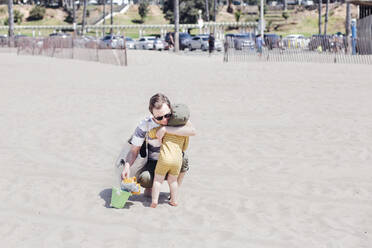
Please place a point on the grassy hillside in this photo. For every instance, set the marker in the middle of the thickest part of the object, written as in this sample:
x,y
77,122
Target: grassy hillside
x,y
300,20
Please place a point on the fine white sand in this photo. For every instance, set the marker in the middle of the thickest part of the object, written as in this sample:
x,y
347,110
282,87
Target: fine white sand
x,y
282,156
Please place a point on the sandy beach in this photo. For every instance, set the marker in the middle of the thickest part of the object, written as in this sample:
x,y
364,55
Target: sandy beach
x,y
282,156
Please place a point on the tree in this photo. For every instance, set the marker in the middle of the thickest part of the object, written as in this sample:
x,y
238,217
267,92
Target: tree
x,y
17,18
285,5
320,16
143,9
36,13
188,10
326,17
11,19
229,7
84,17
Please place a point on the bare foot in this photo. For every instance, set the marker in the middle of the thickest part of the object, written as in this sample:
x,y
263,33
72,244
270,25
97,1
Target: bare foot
x,y
174,204
153,205
147,192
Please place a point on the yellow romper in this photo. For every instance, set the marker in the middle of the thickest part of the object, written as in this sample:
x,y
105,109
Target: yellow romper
x,y
170,157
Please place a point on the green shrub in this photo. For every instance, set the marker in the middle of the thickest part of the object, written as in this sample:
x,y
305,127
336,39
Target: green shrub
x,y
69,18
238,14
37,13
2,10
285,15
18,16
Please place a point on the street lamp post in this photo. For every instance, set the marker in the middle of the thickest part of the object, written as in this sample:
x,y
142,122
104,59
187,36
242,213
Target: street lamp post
x,y
262,18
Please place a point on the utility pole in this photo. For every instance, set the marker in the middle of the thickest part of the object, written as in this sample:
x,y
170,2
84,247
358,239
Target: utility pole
x,y
207,10
214,10
348,20
112,17
320,16
104,17
176,11
74,16
262,18
11,21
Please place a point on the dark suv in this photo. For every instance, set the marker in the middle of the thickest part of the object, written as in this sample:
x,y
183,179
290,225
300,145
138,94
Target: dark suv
x,y
271,41
185,39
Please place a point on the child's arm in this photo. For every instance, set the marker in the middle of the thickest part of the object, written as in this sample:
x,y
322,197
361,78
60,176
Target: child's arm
x,y
152,133
185,144
186,130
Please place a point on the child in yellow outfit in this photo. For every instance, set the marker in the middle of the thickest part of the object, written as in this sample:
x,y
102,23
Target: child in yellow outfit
x,y
170,157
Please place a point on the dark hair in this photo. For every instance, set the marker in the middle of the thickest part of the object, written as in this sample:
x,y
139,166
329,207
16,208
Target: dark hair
x,y
157,100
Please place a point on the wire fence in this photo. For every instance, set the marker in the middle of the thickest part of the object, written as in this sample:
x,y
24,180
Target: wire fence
x,y
317,49
80,48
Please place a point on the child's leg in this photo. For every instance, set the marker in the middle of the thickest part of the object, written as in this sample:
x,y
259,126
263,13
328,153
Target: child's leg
x,y
173,187
158,180
180,178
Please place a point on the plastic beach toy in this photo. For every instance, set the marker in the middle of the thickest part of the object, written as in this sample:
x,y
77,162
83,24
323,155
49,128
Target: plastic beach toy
x,y
119,197
130,185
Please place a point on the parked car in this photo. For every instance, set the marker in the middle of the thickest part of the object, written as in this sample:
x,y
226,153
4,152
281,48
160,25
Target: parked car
x,y
59,35
112,41
295,41
19,38
129,42
146,42
158,44
199,42
272,41
307,3
184,39
3,40
320,40
244,40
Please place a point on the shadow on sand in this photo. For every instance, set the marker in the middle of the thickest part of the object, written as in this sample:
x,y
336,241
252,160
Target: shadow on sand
x,y
145,200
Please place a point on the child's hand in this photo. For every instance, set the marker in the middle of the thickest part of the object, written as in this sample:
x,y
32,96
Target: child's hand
x,y
160,133
126,171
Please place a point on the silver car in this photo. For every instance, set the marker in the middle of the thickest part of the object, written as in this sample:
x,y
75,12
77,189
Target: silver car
x,y
199,42
159,44
112,41
129,42
145,43
242,41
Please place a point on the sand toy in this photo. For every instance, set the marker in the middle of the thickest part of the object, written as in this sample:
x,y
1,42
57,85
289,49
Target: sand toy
x,y
119,197
130,185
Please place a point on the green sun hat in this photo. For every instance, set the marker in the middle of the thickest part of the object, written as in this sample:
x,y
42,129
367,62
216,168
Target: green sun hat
x,y
180,115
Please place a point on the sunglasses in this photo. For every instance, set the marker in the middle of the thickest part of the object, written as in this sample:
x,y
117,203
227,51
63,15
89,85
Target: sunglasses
x,y
167,116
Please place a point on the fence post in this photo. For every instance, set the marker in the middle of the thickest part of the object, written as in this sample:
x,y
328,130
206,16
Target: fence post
x,y
125,52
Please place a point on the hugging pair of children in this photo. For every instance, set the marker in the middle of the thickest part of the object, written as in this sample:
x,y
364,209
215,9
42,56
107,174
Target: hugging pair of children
x,y
170,157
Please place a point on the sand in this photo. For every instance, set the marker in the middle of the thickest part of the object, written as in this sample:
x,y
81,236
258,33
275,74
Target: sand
x,y
282,156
